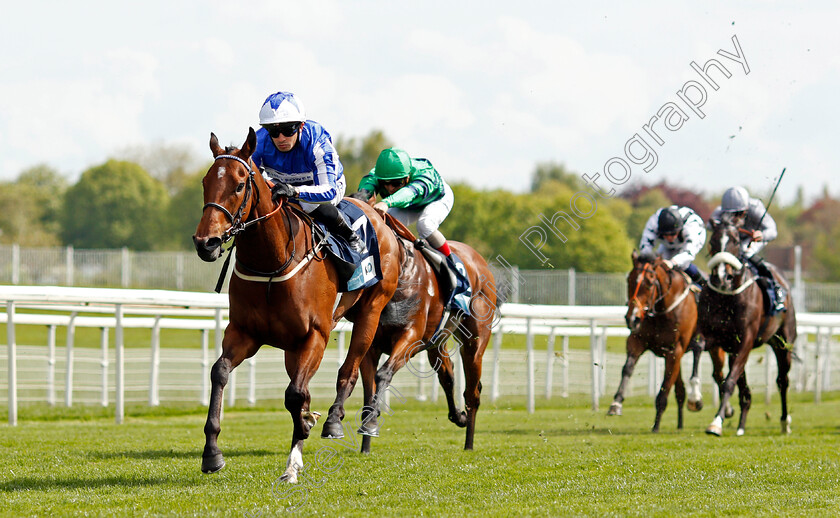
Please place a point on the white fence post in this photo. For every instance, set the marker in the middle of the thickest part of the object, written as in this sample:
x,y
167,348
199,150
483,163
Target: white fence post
x,y
103,343
529,340
154,367
51,364
205,368
565,366
119,344
497,350
549,364
11,352
68,369
252,381
768,390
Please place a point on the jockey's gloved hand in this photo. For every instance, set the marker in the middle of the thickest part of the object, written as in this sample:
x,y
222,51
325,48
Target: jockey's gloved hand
x,y
362,194
283,189
668,264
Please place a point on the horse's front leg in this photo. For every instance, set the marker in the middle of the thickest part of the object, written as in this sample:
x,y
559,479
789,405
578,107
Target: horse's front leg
x,y
301,365
369,427
236,347
745,401
364,329
737,362
783,361
695,393
635,348
672,373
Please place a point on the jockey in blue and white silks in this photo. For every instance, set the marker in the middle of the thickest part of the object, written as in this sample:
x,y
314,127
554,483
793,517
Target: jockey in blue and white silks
x,y
298,156
681,234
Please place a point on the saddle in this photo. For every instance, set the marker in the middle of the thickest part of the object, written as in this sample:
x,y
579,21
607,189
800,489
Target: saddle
x,y
458,292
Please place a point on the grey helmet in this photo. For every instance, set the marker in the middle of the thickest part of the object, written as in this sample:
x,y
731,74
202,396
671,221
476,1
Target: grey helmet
x,y
669,221
735,199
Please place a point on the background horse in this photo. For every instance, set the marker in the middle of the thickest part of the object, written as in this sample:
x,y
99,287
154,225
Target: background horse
x,y
662,318
733,317
282,292
408,324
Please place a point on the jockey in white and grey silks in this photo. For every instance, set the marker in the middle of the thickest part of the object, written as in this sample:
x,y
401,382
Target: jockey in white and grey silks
x,y
750,214
681,234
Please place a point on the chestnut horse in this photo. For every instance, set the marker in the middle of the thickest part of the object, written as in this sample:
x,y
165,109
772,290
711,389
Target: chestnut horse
x,y
733,317
662,318
288,297
408,325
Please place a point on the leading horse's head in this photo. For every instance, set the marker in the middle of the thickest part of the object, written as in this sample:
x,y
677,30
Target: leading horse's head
x,y
643,289
230,194
726,269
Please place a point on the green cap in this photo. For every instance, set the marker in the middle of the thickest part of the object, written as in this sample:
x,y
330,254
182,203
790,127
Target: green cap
x,y
392,163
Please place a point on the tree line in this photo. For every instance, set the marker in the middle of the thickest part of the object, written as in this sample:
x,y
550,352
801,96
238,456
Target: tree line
x,y
150,198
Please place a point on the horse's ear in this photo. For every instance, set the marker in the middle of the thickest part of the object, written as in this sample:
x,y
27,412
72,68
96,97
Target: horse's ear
x,y
634,255
214,145
250,145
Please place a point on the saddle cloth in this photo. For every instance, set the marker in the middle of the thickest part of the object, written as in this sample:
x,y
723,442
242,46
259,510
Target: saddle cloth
x,y
354,271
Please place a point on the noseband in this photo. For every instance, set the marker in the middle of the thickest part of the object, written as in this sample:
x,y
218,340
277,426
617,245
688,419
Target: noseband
x,y
236,223
648,310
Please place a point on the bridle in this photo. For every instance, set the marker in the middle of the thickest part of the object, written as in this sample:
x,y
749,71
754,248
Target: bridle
x,y
650,310
724,257
236,223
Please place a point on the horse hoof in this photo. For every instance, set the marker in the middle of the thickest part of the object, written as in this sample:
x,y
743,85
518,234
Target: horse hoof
x,y
370,432
615,409
332,430
729,412
289,478
714,430
740,432
460,419
212,464
695,406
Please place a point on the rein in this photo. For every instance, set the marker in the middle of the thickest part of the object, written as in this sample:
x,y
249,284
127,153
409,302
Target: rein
x,y
650,311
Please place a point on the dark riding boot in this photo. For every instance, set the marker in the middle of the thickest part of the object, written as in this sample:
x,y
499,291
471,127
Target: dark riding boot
x,y
328,214
696,275
777,289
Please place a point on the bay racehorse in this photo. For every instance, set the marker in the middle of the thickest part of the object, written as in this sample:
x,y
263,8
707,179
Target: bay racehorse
x,y
662,318
283,293
732,316
408,326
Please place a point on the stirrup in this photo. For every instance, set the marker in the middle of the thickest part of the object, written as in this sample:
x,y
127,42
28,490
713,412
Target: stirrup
x,y
357,244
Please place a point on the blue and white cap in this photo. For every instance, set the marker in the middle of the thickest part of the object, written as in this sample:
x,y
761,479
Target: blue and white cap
x,y
282,107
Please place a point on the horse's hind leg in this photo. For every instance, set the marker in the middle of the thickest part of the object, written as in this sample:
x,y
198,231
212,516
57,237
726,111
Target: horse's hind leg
x,y
446,378
695,394
635,348
679,393
783,360
236,347
474,336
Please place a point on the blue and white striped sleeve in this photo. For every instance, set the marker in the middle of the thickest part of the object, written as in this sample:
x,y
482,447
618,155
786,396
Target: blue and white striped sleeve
x,y
323,188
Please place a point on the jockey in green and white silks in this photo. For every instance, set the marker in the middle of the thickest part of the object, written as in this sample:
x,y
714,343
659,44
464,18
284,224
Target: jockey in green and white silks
x,y
413,192
681,234
750,215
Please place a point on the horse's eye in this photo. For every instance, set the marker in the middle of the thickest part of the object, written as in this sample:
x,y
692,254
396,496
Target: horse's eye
x,y
240,187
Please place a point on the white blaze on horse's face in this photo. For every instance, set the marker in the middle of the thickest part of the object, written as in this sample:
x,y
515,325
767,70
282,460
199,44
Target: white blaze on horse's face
x,y
221,172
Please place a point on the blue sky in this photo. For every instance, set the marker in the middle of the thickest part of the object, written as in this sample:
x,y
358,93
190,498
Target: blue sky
x,y
484,90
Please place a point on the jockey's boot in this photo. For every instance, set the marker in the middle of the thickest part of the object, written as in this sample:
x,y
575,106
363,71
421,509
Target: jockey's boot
x,y
778,291
335,222
696,275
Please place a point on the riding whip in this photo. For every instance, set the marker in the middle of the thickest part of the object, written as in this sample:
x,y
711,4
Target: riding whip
x,y
767,207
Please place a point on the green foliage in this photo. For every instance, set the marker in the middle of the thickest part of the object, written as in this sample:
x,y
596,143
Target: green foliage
x,y
358,156
184,213
644,207
32,207
550,172
113,205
